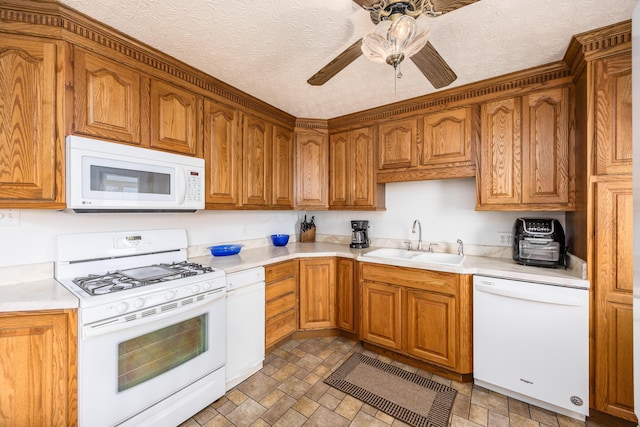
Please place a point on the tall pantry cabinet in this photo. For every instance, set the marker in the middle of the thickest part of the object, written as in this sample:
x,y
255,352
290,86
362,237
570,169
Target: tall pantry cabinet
x,y
601,229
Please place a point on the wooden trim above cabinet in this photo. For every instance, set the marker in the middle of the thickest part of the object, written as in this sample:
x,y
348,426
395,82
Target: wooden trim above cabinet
x,y
60,21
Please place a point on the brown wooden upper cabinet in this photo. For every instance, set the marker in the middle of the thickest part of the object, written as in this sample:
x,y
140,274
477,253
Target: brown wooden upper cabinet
x,y
524,156
436,145
397,142
612,115
113,101
256,161
311,169
31,123
222,156
175,119
267,164
448,141
282,168
107,99
351,171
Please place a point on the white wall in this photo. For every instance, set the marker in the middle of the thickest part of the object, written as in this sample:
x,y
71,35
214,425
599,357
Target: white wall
x,y
445,208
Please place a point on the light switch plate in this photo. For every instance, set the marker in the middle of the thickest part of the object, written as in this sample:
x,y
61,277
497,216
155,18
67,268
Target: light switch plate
x,y
9,217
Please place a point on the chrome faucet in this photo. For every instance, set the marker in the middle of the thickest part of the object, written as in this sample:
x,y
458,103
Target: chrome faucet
x,y
460,247
413,230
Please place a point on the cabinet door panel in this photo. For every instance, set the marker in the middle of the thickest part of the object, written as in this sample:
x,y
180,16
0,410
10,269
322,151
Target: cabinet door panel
x,y
34,367
500,152
361,178
381,311
222,155
106,99
431,327
317,293
613,115
545,147
311,152
339,176
174,119
614,298
282,168
30,140
256,135
447,137
346,297
397,144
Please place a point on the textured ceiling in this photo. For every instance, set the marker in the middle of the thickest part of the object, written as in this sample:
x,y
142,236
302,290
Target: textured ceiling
x,y
270,48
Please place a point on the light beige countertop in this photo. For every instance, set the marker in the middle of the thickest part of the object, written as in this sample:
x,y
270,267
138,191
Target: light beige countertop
x,y
37,293
480,265
44,294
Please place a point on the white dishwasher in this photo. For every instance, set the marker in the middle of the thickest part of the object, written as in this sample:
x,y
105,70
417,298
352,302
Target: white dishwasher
x,y
531,342
245,325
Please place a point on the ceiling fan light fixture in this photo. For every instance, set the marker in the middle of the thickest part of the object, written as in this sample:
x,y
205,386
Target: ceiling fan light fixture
x,y
394,40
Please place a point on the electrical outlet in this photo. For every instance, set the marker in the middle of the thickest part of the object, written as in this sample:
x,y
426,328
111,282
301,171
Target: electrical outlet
x,y
505,238
9,217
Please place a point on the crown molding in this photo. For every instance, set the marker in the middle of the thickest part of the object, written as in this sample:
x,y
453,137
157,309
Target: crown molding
x,y
596,44
53,19
506,85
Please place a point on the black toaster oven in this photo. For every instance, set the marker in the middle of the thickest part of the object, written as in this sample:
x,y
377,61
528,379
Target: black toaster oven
x,y
539,242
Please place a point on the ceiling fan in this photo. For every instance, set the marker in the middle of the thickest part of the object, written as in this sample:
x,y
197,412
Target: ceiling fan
x,y
427,59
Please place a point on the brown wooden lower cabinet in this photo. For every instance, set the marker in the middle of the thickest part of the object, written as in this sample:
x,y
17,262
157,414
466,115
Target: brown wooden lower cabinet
x,y
346,296
38,368
421,313
281,285
317,293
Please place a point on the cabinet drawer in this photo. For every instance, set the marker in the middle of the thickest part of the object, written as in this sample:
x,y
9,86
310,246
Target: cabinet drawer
x,y
280,305
435,281
280,270
279,288
279,327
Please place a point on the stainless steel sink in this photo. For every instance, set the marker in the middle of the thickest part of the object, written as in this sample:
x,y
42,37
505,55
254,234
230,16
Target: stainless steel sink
x,y
416,256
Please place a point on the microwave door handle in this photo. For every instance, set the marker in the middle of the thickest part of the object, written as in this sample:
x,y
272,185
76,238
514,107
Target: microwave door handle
x,y
182,185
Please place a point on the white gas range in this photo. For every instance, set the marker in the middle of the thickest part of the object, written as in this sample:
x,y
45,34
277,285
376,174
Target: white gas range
x,y
151,341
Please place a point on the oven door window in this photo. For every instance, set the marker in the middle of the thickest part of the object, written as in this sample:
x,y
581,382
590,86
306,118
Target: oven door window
x,y
147,356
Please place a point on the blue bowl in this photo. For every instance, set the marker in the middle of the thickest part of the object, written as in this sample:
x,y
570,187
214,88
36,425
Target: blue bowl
x,y
224,250
279,239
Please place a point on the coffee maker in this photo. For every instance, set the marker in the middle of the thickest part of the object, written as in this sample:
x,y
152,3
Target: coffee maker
x,y
359,234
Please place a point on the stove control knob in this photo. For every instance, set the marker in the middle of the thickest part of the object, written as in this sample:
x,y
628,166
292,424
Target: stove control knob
x,y
170,295
122,307
195,289
207,285
139,303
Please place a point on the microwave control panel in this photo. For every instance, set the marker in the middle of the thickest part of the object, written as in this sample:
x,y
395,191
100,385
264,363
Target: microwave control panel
x,y
194,186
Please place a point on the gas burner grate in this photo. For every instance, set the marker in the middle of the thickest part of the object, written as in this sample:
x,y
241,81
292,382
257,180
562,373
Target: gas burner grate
x,y
101,284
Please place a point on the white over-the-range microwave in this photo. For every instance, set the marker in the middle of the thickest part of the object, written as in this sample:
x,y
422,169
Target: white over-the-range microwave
x,y
110,177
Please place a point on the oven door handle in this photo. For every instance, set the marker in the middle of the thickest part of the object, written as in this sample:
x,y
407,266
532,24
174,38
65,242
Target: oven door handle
x,y
121,323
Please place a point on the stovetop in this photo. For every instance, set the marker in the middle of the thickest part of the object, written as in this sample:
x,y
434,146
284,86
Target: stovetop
x,y
120,280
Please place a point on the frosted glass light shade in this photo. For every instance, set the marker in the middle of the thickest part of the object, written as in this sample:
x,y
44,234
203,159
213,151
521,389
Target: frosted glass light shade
x,y
393,41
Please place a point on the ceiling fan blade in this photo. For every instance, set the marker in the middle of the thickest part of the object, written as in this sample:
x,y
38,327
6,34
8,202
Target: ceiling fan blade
x,y
366,3
434,67
445,6
334,67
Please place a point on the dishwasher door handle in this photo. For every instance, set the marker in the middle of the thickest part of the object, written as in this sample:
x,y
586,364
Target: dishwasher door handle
x,y
527,295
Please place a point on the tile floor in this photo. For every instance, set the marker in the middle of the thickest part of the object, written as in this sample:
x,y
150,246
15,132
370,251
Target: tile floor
x,y
289,392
